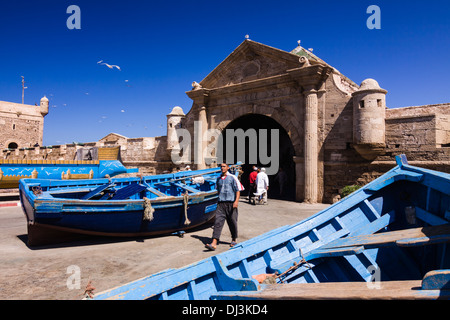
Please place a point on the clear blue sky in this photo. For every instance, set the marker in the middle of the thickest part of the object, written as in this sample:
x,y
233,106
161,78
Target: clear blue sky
x,y
163,46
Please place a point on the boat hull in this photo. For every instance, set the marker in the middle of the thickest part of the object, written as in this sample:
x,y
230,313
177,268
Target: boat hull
x,y
114,219
126,207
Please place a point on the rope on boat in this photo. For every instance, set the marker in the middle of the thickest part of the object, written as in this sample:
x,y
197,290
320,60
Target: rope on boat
x,y
148,210
294,267
89,291
37,190
185,203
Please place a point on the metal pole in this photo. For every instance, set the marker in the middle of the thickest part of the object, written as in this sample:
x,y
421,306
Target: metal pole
x,y
23,89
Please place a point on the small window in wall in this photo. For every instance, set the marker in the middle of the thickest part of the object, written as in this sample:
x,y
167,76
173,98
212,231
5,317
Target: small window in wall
x,y
361,104
12,145
379,103
14,126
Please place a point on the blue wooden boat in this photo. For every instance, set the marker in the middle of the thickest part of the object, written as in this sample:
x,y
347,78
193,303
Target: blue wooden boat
x,y
123,207
11,171
386,240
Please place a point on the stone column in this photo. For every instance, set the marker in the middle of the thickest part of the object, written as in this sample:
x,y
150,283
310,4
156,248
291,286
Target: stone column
x,y
200,143
311,155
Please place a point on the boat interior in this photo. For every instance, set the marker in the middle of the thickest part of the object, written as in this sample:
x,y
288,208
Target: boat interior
x,y
151,187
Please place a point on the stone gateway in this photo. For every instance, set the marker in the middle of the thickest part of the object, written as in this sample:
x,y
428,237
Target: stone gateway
x,y
335,132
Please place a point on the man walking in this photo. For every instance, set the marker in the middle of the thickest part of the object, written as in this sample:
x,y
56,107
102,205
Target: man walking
x,y
252,181
229,189
262,185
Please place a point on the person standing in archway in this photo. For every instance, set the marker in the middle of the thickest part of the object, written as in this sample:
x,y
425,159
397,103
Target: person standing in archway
x,y
252,181
281,178
229,189
262,185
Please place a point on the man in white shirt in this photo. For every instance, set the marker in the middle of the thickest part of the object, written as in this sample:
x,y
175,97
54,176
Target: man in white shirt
x,y
262,185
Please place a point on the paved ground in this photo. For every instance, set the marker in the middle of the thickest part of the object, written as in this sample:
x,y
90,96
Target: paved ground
x,y
41,273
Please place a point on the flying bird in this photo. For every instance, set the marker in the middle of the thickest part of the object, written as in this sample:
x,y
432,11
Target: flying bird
x,y
111,66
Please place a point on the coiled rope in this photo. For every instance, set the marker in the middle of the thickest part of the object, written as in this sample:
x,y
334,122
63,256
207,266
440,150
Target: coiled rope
x,y
148,210
185,203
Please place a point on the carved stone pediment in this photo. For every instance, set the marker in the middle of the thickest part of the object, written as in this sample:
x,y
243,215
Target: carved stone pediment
x,y
248,62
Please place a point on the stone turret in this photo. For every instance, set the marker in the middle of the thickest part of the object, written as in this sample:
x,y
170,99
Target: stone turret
x,y
369,113
44,106
174,122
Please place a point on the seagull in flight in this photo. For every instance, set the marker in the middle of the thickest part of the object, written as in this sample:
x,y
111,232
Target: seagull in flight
x,y
108,65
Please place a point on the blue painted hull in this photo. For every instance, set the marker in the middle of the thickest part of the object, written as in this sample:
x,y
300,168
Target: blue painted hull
x,y
118,207
14,170
394,229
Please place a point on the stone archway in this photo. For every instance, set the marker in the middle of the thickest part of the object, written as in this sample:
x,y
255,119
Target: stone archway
x,y
13,145
252,125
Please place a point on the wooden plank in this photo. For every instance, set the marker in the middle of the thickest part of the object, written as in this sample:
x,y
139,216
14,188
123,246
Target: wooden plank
x,y
156,192
426,234
128,191
292,257
334,252
387,290
310,276
360,264
185,187
368,209
436,280
153,190
96,191
411,242
227,282
244,268
375,225
429,217
192,291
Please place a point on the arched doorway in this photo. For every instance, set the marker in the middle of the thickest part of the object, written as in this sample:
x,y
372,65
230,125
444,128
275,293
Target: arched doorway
x,y
12,145
253,125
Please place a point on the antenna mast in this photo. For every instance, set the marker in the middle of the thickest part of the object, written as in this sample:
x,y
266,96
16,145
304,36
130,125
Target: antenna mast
x,y
23,89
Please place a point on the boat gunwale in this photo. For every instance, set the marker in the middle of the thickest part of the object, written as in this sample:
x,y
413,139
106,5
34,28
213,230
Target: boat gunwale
x,y
60,186
158,200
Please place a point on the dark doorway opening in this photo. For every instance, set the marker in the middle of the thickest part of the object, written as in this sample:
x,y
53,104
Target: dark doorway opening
x,y
12,145
285,155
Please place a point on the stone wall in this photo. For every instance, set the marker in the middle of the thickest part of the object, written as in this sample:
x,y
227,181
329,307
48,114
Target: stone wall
x,y
21,125
421,133
147,154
